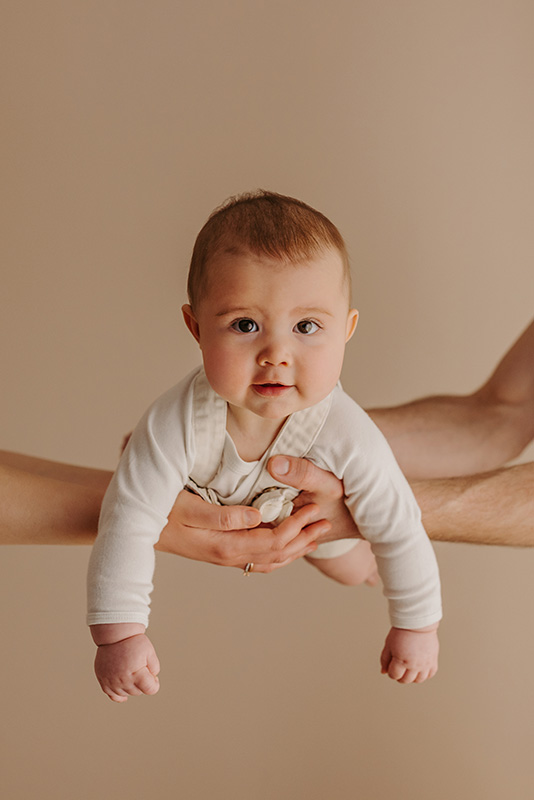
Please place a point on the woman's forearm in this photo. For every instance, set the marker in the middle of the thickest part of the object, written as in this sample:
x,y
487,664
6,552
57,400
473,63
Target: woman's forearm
x,y
45,502
56,470
38,509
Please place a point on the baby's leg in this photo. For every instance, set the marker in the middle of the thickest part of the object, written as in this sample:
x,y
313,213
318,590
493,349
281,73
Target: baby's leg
x,y
365,570
353,568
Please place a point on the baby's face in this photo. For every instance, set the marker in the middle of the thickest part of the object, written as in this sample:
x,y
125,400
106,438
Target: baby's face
x,y
273,334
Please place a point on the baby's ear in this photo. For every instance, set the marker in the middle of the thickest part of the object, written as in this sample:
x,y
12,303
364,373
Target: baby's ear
x,y
352,321
191,321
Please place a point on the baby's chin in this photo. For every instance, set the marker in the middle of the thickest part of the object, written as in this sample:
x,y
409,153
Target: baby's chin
x,y
278,409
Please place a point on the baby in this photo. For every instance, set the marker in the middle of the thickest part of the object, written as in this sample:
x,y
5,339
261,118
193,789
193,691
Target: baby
x,y
269,305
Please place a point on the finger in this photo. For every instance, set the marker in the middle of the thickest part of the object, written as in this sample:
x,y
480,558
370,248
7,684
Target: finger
x,y
429,673
266,569
198,513
396,669
276,561
385,659
132,690
118,696
153,663
283,562
291,527
303,544
267,545
422,676
145,682
308,536
304,475
409,676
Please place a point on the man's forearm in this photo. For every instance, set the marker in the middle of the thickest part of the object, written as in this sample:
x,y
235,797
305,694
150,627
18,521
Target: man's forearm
x,y
490,508
463,435
451,436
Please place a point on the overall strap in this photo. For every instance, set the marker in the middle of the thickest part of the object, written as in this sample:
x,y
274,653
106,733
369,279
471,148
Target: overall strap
x,y
301,430
296,437
209,430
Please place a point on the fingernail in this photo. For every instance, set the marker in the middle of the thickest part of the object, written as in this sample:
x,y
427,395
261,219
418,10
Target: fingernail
x,y
280,465
251,518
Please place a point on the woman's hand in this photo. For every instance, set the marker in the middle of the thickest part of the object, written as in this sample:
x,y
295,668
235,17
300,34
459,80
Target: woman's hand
x,y
232,536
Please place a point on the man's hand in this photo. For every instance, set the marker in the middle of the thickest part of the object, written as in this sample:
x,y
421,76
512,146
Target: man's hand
x,y
320,488
232,536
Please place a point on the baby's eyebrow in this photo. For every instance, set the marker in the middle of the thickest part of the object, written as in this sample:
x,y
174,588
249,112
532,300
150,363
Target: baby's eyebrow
x,y
236,310
301,311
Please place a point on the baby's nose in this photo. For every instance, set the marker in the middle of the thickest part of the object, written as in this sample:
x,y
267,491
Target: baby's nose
x,y
273,359
274,354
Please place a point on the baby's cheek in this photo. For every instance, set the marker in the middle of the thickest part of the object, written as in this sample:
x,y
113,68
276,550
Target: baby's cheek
x,y
324,373
223,373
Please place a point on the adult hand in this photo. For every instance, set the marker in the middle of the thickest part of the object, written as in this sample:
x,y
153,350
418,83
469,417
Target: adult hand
x,y
232,536
320,488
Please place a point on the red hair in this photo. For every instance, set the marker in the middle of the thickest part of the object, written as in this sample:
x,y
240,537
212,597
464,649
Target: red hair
x,y
265,224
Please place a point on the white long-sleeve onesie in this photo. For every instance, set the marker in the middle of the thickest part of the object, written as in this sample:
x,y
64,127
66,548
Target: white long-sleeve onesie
x,y
162,455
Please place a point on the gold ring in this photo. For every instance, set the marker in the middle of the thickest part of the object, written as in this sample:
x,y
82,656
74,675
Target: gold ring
x,y
248,569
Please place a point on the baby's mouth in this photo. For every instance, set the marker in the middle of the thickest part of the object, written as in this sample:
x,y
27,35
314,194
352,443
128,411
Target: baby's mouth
x,y
271,389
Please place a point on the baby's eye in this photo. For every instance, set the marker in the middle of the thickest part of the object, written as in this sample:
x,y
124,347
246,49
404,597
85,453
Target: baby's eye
x,y
306,326
245,326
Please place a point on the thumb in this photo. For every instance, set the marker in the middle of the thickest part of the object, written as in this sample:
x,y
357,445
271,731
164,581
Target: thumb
x,y
302,474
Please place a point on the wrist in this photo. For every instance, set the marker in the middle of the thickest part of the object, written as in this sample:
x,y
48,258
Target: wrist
x,y
427,629
115,632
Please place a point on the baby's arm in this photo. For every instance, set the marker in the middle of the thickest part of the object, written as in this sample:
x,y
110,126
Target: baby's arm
x,y
383,507
140,496
126,662
409,656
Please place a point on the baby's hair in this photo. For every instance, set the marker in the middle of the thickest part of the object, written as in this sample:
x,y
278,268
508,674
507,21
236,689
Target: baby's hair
x,y
265,224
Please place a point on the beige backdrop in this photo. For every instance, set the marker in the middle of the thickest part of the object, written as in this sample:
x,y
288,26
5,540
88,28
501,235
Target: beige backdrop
x,y
411,125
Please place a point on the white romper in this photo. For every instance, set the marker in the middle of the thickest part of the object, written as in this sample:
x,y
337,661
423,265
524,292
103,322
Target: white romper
x,y
182,442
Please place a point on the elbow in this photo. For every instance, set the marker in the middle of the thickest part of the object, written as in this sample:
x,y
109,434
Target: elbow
x,y
510,423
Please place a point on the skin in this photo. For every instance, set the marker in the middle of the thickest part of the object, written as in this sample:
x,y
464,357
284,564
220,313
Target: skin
x,y
449,436
453,449
467,438
45,502
273,338
290,359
